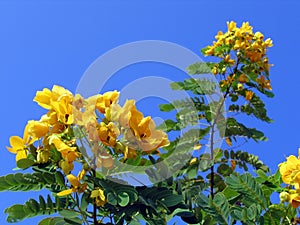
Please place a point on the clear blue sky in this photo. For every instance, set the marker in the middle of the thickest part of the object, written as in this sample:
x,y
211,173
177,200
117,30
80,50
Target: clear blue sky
x,y
53,42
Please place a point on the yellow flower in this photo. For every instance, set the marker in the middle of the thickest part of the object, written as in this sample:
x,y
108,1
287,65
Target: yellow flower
x,y
108,133
64,109
249,95
68,153
243,78
19,146
290,170
246,28
46,97
264,83
228,60
231,26
106,100
37,129
99,196
76,185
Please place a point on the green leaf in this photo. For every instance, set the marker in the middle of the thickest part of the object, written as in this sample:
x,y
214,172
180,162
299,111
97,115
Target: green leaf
x,y
25,163
247,186
32,208
166,107
218,208
199,68
230,194
69,213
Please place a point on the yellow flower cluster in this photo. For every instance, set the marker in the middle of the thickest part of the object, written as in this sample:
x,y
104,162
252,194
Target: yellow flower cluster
x,y
103,122
242,39
241,45
290,174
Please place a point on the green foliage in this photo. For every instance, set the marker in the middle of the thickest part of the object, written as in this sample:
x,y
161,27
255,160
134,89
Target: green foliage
x,y
28,182
234,128
218,208
33,208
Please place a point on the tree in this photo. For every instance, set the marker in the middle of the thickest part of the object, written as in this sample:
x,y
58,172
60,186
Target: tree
x,y
194,176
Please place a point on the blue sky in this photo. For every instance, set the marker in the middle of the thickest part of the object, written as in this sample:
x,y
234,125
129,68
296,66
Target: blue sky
x,y
53,42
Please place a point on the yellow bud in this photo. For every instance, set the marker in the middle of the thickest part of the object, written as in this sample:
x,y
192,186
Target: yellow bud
x,y
240,87
193,161
42,156
284,197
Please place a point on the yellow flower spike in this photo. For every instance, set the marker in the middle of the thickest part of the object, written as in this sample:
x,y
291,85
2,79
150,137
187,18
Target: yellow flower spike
x,y
246,28
74,181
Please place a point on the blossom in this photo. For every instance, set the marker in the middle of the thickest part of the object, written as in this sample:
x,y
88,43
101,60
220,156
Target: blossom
x,y
264,83
108,133
290,170
106,100
37,129
19,146
46,97
76,185
249,95
99,196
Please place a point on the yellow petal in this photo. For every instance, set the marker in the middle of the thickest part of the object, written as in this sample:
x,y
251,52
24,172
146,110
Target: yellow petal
x,y
16,142
12,150
73,180
21,154
43,98
65,192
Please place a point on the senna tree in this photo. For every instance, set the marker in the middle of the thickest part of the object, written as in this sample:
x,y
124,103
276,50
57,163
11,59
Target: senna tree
x,y
78,148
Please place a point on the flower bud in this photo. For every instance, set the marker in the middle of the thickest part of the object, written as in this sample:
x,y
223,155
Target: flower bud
x,y
284,196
